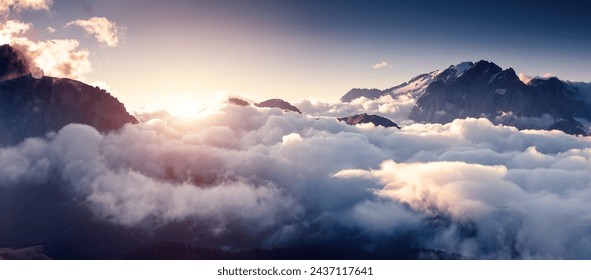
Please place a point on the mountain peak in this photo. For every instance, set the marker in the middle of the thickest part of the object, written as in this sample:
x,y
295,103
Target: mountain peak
x,y
278,103
32,107
355,93
13,64
486,90
487,66
365,118
462,67
238,101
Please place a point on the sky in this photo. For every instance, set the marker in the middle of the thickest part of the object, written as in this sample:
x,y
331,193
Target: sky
x,y
243,177
178,54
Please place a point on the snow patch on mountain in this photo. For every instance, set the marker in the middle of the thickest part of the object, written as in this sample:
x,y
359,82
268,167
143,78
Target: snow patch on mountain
x,y
462,67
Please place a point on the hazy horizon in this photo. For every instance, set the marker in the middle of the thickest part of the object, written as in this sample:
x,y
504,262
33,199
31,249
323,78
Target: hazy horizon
x,y
466,163
178,52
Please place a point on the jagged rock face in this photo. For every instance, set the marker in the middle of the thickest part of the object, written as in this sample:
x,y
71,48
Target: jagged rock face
x,y
12,63
365,118
278,103
31,107
485,90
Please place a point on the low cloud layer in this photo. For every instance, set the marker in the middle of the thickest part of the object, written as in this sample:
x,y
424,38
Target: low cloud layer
x,y
105,31
254,177
396,108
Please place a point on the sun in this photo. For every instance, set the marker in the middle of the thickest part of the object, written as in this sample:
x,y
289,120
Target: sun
x,y
182,109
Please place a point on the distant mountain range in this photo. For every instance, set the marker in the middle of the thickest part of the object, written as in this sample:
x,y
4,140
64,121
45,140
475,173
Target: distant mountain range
x,y
483,89
271,103
286,106
31,107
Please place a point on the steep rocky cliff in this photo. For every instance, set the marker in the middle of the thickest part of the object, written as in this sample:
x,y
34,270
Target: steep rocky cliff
x,y
31,107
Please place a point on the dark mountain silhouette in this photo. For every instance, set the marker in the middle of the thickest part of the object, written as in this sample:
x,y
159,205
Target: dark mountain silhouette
x,y
31,107
355,93
12,63
278,103
271,103
238,101
365,118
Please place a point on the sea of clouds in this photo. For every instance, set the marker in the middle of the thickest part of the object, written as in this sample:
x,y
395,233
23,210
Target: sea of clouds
x,y
247,177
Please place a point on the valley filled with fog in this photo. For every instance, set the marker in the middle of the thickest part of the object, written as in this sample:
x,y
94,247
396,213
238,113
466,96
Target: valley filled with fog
x,y
242,177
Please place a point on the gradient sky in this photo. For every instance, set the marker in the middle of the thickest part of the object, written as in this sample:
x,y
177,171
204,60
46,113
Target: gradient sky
x,y
183,52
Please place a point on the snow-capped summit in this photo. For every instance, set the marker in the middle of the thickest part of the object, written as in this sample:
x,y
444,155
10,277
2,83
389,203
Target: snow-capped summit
x,y
414,88
486,90
462,67
483,89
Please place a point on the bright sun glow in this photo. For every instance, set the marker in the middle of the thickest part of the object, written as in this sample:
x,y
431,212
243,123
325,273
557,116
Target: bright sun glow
x,y
185,110
187,107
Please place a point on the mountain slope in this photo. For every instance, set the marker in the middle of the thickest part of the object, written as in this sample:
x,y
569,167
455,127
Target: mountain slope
x,y
414,88
365,118
31,107
486,90
355,93
278,103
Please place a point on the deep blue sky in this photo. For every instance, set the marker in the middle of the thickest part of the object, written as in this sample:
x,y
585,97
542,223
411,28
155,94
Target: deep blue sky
x,y
320,49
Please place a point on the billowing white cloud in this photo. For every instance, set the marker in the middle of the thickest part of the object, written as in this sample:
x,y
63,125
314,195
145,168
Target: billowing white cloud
x,y
396,108
379,65
524,78
12,28
105,31
21,5
276,179
59,58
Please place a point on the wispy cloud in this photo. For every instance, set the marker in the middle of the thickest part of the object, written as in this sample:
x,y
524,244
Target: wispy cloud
x,y
12,28
526,78
105,31
6,6
381,65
